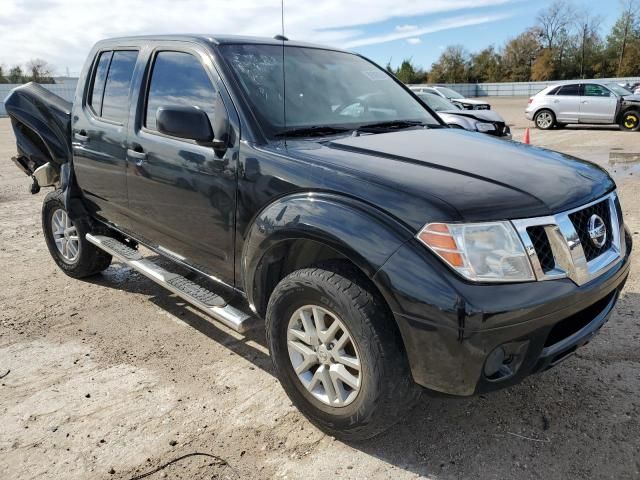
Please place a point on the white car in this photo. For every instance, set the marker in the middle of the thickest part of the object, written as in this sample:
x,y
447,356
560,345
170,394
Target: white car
x,y
454,97
589,102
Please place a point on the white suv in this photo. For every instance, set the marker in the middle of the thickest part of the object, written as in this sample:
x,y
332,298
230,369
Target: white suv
x,y
584,102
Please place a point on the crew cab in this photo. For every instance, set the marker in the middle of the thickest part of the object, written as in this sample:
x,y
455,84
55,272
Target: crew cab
x,y
587,102
307,188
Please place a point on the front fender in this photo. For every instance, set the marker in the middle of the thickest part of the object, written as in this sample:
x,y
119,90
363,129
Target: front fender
x,y
359,231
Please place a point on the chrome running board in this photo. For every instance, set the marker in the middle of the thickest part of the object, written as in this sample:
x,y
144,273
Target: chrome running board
x,y
205,300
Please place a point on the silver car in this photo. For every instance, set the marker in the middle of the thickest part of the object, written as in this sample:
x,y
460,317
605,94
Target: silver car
x,y
588,102
454,97
485,121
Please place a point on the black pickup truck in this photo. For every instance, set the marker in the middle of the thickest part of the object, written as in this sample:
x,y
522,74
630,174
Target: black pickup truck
x,y
307,187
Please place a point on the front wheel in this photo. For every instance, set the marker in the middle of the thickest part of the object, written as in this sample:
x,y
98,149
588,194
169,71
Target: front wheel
x,y
66,240
338,353
630,121
544,119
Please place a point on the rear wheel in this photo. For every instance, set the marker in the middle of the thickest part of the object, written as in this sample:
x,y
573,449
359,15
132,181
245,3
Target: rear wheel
x,y
544,119
630,121
337,353
66,241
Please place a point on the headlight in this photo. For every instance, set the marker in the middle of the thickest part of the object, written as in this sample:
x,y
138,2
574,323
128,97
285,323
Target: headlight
x,y
482,252
485,127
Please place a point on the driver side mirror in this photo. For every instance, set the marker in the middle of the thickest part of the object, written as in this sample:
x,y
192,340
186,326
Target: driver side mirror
x,y
184,122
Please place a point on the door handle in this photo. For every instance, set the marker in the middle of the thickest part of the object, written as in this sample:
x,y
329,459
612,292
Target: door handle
x,y
81,136
139,157
584,101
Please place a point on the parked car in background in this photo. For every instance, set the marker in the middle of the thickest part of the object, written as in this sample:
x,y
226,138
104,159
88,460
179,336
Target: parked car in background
x,y
589,102
485,121
456,98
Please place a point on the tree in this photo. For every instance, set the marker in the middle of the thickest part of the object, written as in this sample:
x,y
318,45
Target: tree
x,y
16,75
452,66
519,54
40,71
553,20
625,32
542,68
486,66
587,27
2,77
407,72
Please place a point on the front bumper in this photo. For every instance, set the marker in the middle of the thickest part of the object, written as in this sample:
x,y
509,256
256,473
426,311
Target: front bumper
x,y
450,332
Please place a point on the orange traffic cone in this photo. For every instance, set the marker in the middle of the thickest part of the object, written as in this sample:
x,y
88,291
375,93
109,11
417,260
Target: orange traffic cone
x,y
527,139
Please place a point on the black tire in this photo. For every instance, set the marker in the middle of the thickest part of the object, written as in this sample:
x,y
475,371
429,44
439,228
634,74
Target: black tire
x,y
630,121
540,119
89,259
387,390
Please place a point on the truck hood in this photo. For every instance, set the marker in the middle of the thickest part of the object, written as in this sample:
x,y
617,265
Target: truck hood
x,y
454,175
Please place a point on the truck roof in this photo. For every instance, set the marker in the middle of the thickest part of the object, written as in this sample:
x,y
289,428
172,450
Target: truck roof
x,y
215,39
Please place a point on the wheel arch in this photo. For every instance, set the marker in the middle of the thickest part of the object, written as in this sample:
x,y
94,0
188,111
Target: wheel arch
x,y
309,229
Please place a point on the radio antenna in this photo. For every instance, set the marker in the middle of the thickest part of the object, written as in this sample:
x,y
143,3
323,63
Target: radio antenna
x,y
282,16
284,79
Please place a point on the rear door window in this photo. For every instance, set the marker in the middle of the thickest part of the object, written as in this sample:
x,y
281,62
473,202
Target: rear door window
x,y
572,90
99,77
178,79
115,103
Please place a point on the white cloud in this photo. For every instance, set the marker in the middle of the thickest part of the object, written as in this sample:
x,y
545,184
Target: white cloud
x,y
404,28
414,40
63,31
446,24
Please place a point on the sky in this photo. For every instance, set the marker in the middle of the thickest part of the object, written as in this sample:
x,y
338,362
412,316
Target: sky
x,y
63,31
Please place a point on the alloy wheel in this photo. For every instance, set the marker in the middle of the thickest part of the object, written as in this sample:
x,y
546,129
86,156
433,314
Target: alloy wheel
x,y
324,355
65,235
544,120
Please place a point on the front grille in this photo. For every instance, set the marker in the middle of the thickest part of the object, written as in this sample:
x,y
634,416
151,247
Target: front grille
x,y
580,220
542,247
482,107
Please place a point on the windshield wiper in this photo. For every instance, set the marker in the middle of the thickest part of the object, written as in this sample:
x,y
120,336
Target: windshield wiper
x,y
315,131
392,125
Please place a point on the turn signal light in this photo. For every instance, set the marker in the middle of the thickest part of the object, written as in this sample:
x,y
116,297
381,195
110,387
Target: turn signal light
x,y
438,237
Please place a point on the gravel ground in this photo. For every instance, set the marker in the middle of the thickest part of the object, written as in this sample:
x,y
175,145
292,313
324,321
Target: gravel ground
x,y
111,377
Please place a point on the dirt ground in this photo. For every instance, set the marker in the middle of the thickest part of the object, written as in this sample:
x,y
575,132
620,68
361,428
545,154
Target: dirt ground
x,y
111,378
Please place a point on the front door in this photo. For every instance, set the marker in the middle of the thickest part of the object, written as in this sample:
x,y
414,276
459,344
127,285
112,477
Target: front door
x,y
597,104
182,194
566,103
100,133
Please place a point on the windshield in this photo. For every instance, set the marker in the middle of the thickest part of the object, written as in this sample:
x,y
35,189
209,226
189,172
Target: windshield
x,y
436,102
449,93
618,90
323,89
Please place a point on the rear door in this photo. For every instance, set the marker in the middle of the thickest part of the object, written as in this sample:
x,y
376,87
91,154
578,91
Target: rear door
x,y
182,194
597,104
99,133
566,103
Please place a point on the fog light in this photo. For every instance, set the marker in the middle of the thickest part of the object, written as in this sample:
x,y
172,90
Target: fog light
x,y
494,362
505,360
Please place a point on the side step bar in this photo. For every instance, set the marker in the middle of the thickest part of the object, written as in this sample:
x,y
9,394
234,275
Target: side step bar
x,y
207,301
